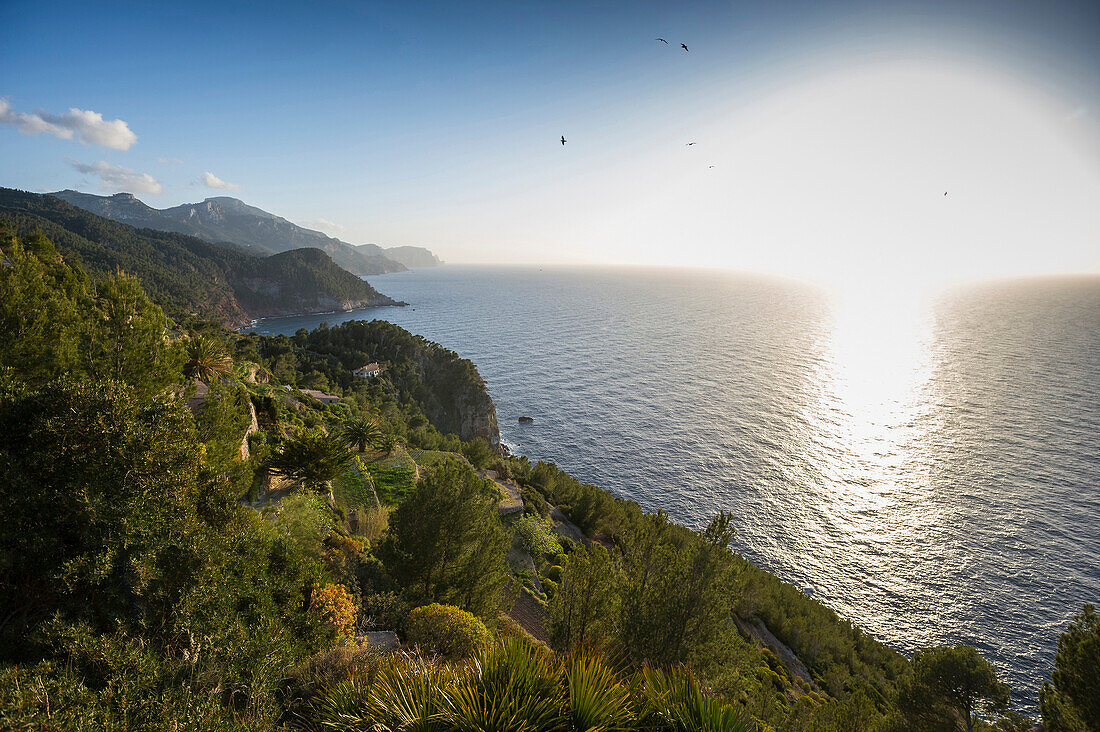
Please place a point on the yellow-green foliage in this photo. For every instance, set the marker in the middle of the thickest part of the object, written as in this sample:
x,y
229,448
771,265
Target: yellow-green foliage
x,y
447,630
335,607
537,534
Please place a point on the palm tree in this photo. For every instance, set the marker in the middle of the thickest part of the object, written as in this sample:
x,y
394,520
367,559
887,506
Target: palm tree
x,y
206,360
312,458
362,431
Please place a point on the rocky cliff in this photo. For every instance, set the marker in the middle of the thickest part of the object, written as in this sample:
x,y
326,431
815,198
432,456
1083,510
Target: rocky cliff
x,y
446,387
460,402
411,256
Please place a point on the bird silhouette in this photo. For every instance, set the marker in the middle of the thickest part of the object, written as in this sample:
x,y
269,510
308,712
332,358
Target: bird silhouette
x,y
945,193
684,46
710,166
662,40
689,144
563,139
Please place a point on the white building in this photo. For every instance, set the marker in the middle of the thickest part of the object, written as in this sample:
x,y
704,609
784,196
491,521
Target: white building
x,y
368,371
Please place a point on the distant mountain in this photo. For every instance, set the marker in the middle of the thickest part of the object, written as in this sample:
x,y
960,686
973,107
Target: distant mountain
x,y
223,219
185,274
409,256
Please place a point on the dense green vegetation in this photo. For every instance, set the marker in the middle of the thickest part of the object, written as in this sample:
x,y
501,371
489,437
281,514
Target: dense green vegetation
x,y
175,558
420,377
189,276
1070,701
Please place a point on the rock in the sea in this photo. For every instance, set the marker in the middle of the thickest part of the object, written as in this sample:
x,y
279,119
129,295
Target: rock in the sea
x,y
526,419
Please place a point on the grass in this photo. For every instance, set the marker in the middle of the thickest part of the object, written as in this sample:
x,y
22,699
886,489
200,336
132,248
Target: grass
x,y
426,458
399,457
354,489
392,484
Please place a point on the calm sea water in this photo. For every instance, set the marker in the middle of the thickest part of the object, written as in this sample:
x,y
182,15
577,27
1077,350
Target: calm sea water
x,y
930,472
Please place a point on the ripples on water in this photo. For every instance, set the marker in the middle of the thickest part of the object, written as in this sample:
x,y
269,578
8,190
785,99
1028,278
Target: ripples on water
x,y
933,474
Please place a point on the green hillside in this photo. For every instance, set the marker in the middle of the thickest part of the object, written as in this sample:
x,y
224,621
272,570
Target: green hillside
x,y
189,276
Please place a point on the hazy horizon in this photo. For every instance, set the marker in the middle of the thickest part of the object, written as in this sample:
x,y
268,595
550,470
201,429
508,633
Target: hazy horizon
x,y
825,135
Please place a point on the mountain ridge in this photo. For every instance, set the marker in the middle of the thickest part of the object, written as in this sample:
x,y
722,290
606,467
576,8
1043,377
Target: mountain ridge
x,y
409,256
191,276
228,220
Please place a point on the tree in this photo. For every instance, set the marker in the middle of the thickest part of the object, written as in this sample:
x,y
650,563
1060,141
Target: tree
x,y
678,589
206,361
1070,701
92,481
54,320
43,311
128,341
445,542
361,432
583,611
947,685
312,458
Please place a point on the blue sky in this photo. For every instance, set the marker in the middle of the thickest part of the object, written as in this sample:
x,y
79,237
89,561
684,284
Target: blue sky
x,y
437,123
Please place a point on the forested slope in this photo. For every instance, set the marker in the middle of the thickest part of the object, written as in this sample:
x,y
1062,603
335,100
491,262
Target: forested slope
x,y
187,275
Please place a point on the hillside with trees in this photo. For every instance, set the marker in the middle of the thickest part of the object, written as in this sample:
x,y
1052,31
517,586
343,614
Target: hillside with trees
x,y
189,276
222,220
216,531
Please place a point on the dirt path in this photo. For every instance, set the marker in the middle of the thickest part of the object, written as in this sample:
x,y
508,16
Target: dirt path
x,y
759,632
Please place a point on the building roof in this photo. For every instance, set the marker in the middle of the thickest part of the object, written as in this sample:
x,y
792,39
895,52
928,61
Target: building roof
x,y
321,395
370,367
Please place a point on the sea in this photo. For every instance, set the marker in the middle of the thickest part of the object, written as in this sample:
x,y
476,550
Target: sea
x,y
927,465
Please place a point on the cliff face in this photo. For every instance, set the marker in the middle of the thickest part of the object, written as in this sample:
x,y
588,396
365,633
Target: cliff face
x,y
412,256
458,401
447,388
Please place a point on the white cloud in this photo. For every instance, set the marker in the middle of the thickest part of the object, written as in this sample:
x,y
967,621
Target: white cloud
x,y
210,180
169,161
117,178
83,125
329,227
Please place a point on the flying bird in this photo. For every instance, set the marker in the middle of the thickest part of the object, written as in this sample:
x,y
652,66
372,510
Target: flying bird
x,y
662,40
945,193
689,144
563,139
684,46
710,166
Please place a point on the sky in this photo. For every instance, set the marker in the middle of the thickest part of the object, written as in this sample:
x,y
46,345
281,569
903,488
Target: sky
x,y
825,133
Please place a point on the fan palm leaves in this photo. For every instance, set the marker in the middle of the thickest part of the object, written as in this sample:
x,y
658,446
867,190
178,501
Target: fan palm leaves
x,y
406,696
674,700
509,687
313,458
516,686
362,432
597,701
206,360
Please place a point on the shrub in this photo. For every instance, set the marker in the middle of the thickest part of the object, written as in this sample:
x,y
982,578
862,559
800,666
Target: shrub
x,y
335,607
447,630
384,611
537,534
323,671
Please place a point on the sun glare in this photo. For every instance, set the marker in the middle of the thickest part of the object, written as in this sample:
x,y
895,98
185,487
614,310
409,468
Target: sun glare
x,y
872,380
923,172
